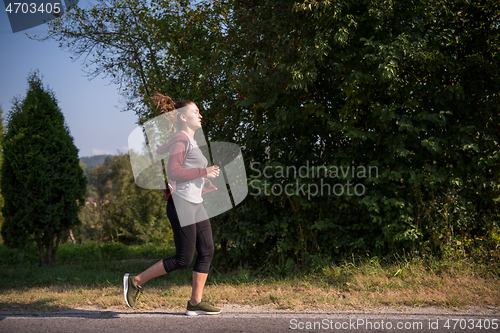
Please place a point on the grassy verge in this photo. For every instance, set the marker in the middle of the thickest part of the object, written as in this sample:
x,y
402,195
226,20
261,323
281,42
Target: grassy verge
x,y
94,279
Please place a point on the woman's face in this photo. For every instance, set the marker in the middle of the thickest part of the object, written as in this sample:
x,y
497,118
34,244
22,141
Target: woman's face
x,y
192,118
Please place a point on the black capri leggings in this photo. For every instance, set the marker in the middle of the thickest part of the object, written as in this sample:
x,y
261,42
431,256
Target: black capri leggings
x,y
197,235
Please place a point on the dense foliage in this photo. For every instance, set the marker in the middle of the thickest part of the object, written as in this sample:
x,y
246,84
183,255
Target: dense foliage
x,y
410,88
42,183
407,90
119,211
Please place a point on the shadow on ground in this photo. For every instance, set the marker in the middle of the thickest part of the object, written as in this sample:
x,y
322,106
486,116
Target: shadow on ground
x,y
41,309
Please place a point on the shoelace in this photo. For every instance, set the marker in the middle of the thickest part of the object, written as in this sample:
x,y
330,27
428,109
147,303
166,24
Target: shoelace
x,y
138,291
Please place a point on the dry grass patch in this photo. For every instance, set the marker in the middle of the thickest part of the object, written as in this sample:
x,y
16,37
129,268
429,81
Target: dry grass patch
x,y
345,287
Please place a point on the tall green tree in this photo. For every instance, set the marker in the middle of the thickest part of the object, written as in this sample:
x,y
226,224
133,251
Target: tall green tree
x,y
122,211
135,215
42,182
148,42
409,88
94,216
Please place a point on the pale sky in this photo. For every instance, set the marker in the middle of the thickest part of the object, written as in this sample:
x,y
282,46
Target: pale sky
x,y
92,108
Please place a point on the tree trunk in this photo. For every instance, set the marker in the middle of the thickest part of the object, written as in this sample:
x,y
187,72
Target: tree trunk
x,y
49,246
40,250
71,236
56,241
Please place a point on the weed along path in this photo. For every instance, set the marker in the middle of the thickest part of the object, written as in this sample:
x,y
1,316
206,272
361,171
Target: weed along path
x,y
256,319
412,295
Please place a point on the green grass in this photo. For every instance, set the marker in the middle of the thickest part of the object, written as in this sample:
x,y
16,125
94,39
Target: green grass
x,y
91,275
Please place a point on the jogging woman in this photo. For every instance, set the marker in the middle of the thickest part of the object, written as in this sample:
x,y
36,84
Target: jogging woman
x,y
187,173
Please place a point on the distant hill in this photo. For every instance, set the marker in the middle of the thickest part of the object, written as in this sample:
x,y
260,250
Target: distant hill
x,y
93,161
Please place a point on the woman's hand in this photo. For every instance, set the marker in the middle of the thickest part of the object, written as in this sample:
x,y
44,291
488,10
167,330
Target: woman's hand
x,y
213,171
